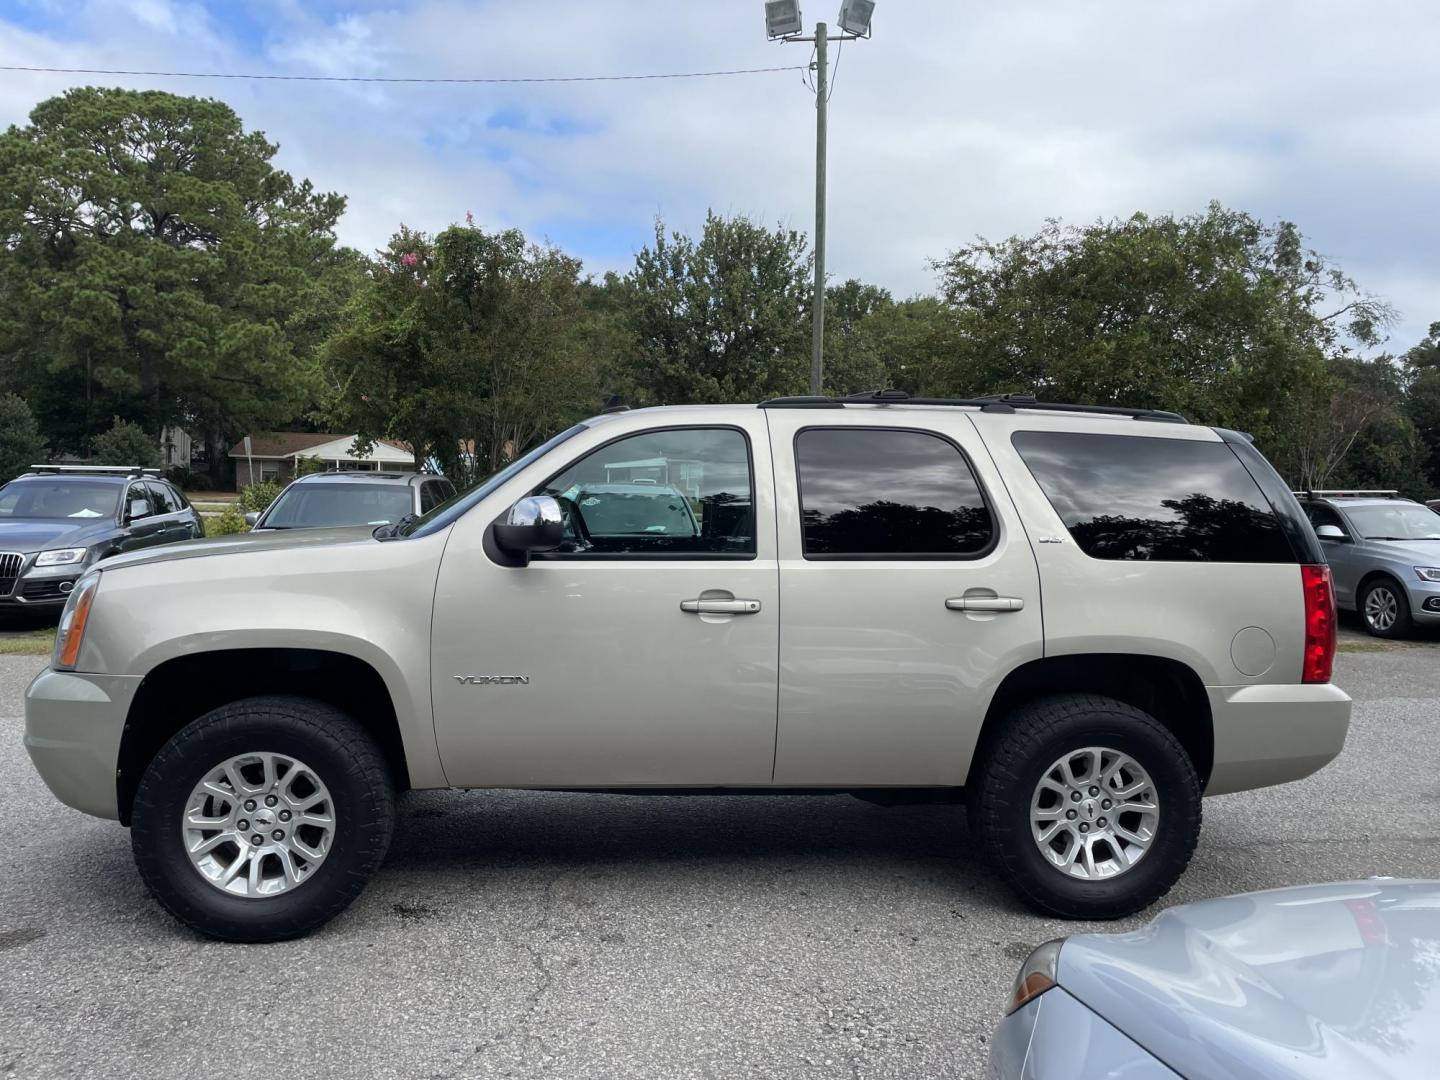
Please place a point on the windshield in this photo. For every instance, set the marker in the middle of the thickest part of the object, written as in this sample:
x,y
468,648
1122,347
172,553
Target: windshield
x,y
447,512
1403,521
69,500
313,506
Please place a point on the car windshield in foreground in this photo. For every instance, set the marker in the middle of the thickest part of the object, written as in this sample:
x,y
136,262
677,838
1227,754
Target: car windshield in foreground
x,y
67,500
451,509
313,506
1399,522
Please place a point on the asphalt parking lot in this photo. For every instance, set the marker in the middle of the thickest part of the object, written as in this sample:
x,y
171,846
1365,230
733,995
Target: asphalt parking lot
x,y
527,935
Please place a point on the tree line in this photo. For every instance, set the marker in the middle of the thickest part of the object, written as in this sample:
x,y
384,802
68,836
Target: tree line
x,y
157,271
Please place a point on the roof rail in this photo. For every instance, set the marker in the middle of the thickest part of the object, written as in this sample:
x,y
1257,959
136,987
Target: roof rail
x,y
1349,493
96,470
997,403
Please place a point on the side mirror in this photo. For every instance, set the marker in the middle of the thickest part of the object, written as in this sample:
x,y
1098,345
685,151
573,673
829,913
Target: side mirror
x,y
252,517
1330,532
533,524
139,508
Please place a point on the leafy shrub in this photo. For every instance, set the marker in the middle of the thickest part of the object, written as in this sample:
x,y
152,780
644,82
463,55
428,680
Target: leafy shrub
x,y
21,444
304,466
229,522
126,444
257,497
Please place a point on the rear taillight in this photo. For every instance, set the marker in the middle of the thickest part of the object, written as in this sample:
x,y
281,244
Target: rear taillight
x,y
1319,624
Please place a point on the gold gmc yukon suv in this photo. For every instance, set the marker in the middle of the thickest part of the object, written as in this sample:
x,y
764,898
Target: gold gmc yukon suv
x,y
1073,621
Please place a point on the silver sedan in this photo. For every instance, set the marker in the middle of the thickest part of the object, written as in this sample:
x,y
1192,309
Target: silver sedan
x,y
1320,981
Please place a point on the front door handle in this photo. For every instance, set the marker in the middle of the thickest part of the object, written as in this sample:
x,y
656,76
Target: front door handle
x,y
985,603
720,607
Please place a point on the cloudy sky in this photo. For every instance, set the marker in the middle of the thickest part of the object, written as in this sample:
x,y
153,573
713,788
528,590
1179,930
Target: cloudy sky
x,y
960,118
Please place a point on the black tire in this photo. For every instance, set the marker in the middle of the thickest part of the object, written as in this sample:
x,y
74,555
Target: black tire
x,y
1038,734
1402,624
338,751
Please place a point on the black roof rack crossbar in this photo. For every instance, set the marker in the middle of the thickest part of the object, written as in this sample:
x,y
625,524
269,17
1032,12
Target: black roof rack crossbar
x,y
989,403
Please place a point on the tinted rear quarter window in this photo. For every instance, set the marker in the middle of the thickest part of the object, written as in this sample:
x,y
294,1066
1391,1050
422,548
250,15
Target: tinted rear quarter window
x,y
890,494
1154,499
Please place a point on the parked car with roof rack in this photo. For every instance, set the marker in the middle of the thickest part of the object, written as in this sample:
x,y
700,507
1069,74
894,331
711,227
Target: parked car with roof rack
x,y
1074,620
1384,553
352,497
56,521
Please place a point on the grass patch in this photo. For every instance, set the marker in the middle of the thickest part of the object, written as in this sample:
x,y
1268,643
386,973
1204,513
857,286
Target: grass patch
x,y
28,642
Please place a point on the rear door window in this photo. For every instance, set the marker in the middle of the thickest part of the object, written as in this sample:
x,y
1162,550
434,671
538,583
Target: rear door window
x,y
884,493
1150,499
162,499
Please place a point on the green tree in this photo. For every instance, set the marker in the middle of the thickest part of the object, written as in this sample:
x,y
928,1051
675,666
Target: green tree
x,y
724,318
126,444
853,359
1355,432
469,347
21,444
156,265
1216,315
1422,403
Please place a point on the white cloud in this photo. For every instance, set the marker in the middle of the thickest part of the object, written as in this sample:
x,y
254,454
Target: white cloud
x,y
956,120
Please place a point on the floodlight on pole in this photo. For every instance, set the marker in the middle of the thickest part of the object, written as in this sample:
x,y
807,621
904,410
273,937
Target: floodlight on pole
x,y
782,18
783,22
855,16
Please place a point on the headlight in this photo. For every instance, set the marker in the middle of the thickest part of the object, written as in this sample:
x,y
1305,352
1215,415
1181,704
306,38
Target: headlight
x,y
71,632
61,557
1036,976
1428,573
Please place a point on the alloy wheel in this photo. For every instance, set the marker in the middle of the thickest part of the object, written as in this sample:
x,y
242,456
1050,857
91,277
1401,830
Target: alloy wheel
x,y
1094,813
258,825
1381,608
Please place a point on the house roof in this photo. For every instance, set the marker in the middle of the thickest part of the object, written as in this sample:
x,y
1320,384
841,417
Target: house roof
x,y
279,444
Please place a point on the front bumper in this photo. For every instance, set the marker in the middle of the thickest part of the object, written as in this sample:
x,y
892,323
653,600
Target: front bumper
x,y
1273,734
42,586
1056,1037
1425,603
73,724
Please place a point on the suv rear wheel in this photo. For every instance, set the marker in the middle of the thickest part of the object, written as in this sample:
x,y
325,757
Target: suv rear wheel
x,y
1089,807
263,819
1385,609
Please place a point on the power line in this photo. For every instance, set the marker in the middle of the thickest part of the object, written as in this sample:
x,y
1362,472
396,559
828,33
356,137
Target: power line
x,y
386,79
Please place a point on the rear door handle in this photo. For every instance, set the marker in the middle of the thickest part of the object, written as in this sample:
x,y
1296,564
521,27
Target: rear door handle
x,y
720,607
985,603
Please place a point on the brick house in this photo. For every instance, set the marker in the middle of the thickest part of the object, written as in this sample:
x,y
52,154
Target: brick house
x,y
273,455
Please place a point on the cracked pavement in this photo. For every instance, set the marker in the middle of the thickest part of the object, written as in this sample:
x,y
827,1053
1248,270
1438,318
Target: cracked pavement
x,y
549,935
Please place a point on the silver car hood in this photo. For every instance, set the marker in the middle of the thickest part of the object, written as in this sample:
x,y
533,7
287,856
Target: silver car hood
x,y
240,543
1322,981
1423,552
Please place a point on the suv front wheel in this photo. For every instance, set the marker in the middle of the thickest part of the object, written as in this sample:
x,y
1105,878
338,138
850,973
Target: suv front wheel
x,y
1088,806
263,819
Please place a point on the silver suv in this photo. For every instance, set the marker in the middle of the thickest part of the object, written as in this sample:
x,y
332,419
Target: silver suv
x,y
352,497
1073,621
1384,553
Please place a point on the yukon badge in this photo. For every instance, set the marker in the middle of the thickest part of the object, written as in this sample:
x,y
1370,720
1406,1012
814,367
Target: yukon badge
x,y
492,680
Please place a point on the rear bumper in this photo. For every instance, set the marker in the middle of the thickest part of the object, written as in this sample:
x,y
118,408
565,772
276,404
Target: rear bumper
x,y
73,725
1273,734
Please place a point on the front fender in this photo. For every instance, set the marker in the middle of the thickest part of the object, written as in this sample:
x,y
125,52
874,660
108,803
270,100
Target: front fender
x,y
369,601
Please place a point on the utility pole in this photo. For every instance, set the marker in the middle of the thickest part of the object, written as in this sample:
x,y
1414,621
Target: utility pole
x,y
783,23
817,329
